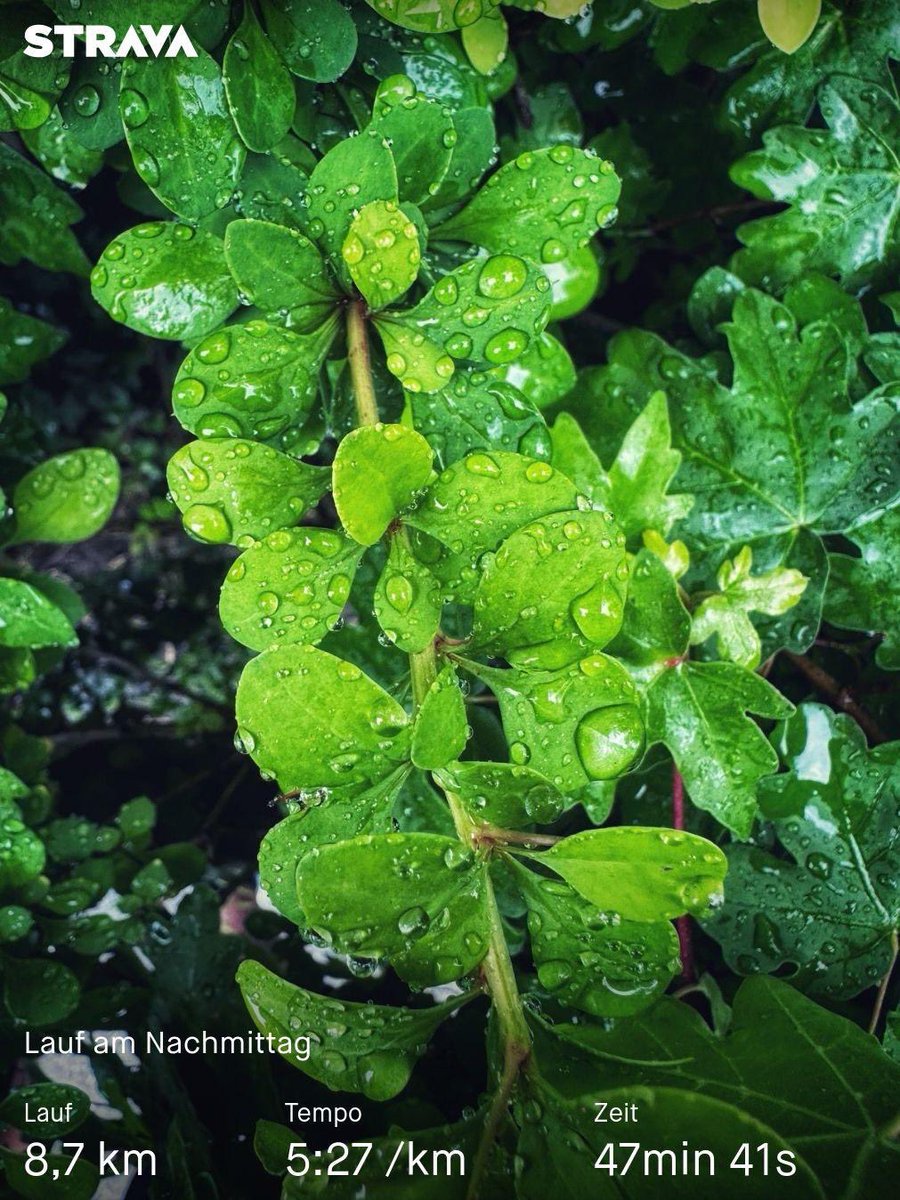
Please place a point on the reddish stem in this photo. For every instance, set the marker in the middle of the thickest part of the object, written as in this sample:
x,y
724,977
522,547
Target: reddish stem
x,y
682,924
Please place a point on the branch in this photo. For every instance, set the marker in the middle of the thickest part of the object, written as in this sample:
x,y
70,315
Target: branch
x,y
839,696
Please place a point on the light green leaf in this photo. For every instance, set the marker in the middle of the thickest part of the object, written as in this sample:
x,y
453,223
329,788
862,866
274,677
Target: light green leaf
x,y
544,205
166,279
378,469
29,619
281,272
421,134
698,710
586,960
259,90
788,23
832,912
290,587
229,490
316,38
554,590
436,17
407,599
181,135
504,794
366,1048
488,310
312,720
67,498
382,253
862,592
441,727
487,41
725,615
22,853
417,899
640,874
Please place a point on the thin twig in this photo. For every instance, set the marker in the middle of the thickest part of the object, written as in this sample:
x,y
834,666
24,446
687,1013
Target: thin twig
x,y
839,696
885,984
499,1105
683,923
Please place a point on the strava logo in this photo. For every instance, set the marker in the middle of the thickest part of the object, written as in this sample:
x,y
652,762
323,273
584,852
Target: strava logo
x,y
101,41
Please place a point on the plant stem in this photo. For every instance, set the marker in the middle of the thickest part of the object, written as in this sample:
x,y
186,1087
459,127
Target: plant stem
x,y
683,923
360,364
885,984
496,967
839,696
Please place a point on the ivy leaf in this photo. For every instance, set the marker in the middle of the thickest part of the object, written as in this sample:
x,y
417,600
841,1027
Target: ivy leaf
x,y
788,23
378,469
841,190
441,728
30,620
182,138
639,874
488,311
592,706
259,90
290,587
316,38
253,380
506,795
586,960
862,592
229,490
656,627
35,216
382,253
353,173
165,279
834,1106
417,899
554,590
477,412
312,720
725,615
367,1048
67,498
698,710
421,134
407,599
281,272
544,205
833,912
24,341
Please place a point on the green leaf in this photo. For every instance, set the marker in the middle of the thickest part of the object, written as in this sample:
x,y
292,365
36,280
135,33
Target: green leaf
x,y
862,592
28,86
473,155
281,272
487,41
441,727
90,104
656,626
544,205
60,154
640,874
312,720
378,469
354,172
382,253
367,1048
421,134
253,380
67,498
35,216
166,279
545,372
438,17
788,23
73,1102
477,412
835,1105
136,818
22,854
259,90
698,710
833,912
229,490
488,310
840,187
316,38
75,1178
592,706
290,587
554,590
417,899
180,133
24,341
504,794
586,960
40,992
28,618
407,599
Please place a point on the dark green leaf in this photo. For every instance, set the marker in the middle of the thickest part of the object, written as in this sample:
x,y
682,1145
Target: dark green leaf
x,y
259,90
281,272
316,38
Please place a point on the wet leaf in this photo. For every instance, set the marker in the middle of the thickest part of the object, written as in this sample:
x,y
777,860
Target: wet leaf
x,y
29,619
35,216
441,727
67,498
24,341
382,253
57,1096
40,992
504,794
259,89
862,592
281,272
421,134
378,469
407,599
316,38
